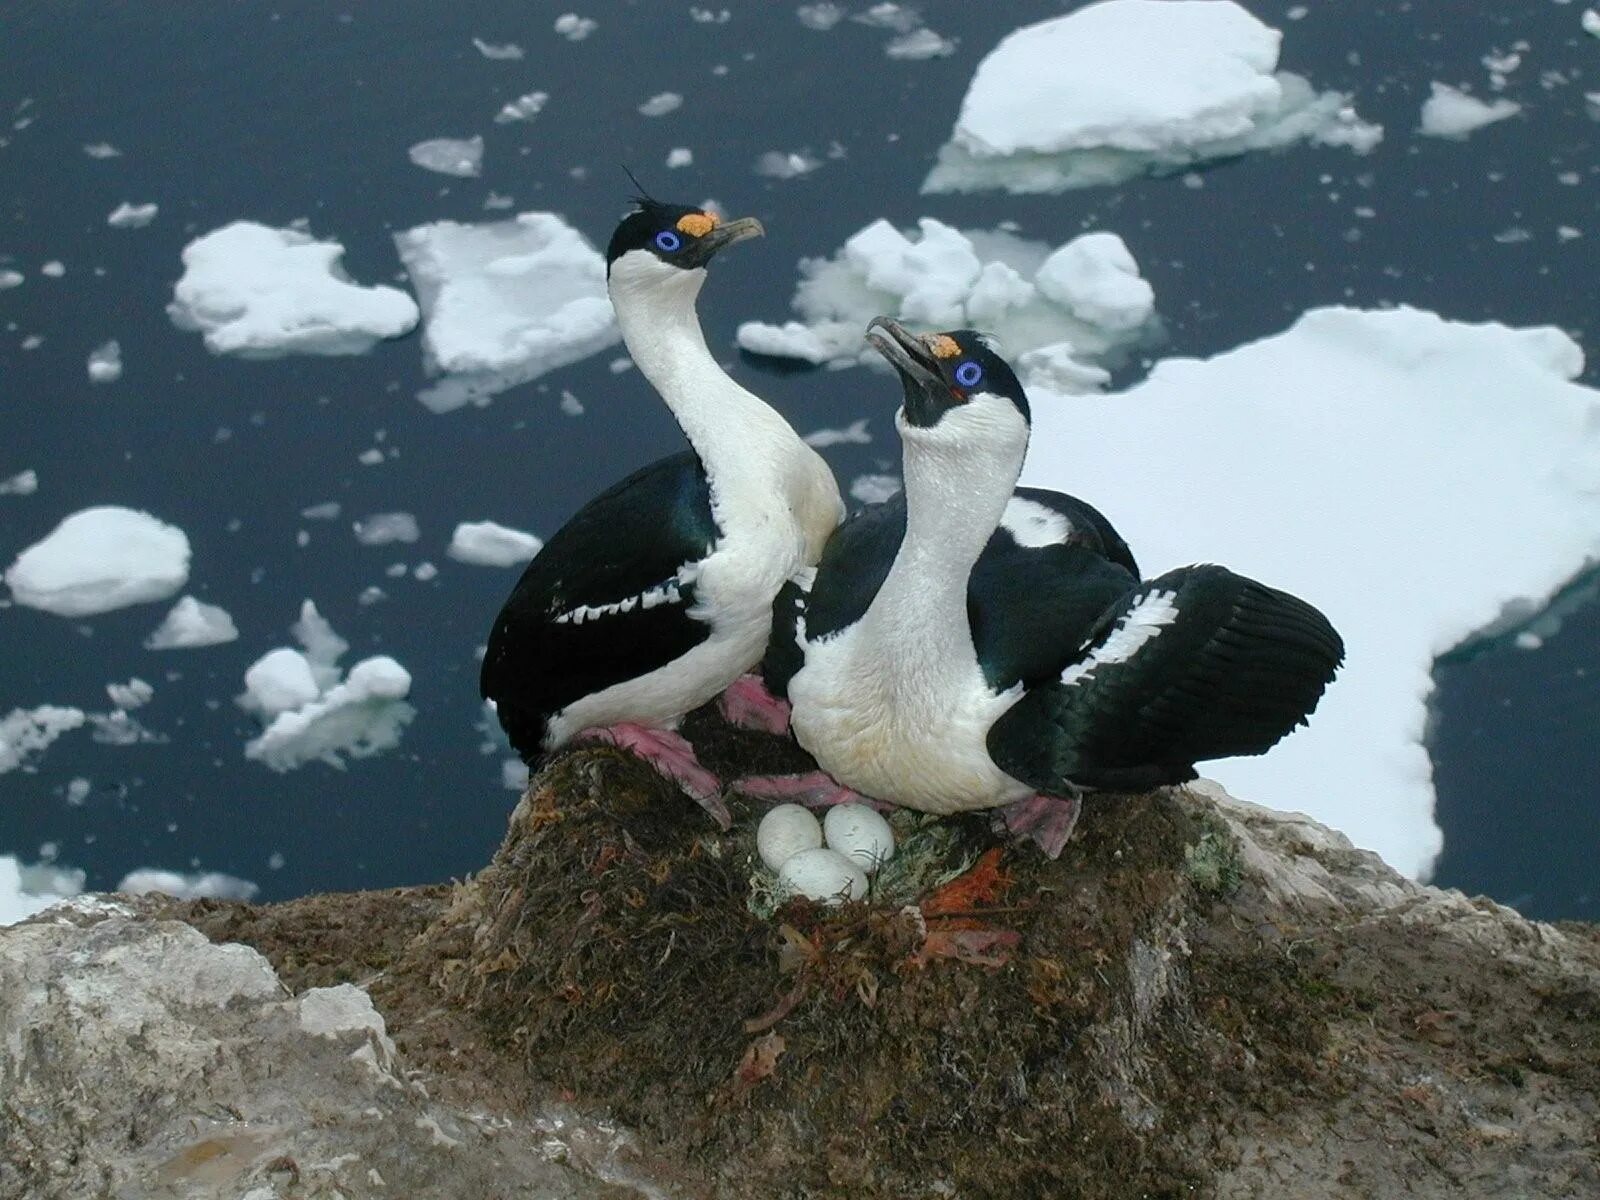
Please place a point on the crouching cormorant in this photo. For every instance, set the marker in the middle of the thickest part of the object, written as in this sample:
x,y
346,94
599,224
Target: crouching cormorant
x,y
657,594
936,663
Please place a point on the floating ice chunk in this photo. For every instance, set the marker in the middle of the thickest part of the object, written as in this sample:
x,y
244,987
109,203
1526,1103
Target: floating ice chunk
x,y
489,545
523,108
853,434
1591,22
27,890
661,104
328,510
105,363
132,216
461,157
1449,113
575,28
679,156
133,694
899,17
1268,463
23,483
310,715
514,774
102,150
820,17
874,489
28,731
10,279
191,624
101,559
1123,87
503,52
1083,303
382,529
504,302
787,164
54,269
208,885
920,44
261,293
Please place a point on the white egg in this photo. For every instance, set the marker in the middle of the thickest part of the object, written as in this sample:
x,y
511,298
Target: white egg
x,y
824,875
784,832
860,834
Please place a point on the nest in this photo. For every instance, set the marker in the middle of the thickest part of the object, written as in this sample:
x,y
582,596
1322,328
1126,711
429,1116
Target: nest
x,y
987,1023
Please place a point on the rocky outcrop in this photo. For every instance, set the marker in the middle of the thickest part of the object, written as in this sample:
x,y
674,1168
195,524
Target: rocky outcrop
x,y
1201,998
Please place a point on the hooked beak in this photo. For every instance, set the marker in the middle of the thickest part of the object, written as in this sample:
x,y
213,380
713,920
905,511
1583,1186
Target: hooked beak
x,y
926,394
723,234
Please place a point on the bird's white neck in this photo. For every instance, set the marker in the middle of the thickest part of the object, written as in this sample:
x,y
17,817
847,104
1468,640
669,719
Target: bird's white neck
x,y
734,432
959,477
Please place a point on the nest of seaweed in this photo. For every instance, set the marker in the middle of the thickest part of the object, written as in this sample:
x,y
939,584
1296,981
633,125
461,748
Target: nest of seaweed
x,y
986,1023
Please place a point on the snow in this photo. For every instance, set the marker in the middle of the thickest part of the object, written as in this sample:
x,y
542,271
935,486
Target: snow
x,y
661,104
504,302
523,108
460,157
100,559
489,545
1449,113
310,714
207,885
1125,87
383,529
1055,312
191,624
23,483
261,292
1367,462
132,216
25,891
500,53
105,363
26,732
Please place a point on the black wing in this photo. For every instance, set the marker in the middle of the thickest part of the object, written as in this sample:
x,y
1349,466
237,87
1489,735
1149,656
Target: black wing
x,y
1088,526
546,651
1240,665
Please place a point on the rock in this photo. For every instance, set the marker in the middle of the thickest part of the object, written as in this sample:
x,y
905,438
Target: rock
x,y
142,1060
1201,997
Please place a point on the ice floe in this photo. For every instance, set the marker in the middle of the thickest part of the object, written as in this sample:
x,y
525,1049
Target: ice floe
x,y
503,52
1392,468
134,694
260,293
487,544
310,713
25,732
523,108
854,434
382,529
1125,87
199,885
105,363
23,483
461,157
679,156
787,164
920,44
661,104
192,624
1056,312
28,890
504,302
1449,113
100,559
132,216
575,28
10,279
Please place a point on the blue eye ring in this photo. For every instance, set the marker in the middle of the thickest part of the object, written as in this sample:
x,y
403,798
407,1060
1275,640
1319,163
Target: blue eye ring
x,y
668,242
969,374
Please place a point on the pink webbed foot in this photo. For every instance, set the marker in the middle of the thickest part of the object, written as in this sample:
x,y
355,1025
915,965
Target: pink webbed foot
x,y
748,705
673,758
1047,821
816,789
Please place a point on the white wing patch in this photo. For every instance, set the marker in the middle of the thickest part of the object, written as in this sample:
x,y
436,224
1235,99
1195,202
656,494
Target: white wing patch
x,y
1034,525
663,593
1139,625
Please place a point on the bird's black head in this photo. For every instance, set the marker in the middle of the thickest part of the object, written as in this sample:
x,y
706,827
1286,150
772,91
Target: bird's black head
x,y
943,371
679,235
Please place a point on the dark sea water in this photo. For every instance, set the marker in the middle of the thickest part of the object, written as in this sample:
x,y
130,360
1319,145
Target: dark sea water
x,y
273,112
